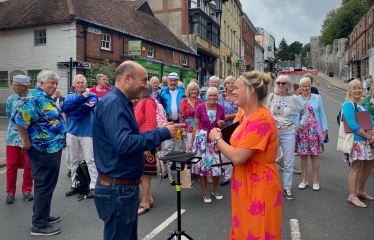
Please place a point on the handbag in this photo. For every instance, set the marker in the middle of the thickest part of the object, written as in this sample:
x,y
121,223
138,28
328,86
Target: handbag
x,y
345,140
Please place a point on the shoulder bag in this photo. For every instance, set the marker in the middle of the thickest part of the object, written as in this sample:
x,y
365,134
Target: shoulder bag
x,y
345,140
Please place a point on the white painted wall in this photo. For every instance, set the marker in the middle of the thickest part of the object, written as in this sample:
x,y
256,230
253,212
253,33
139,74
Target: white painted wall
x,y
18,52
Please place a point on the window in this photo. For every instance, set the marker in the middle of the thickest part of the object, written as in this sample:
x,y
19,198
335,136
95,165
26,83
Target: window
x,y
358,50
152,73
106,42
363,47
40,37
369,42
4,79
151,52
224,31
33,74
185,60
369,19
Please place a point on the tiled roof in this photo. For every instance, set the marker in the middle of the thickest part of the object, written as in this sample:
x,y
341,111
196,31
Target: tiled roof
x,y
130,17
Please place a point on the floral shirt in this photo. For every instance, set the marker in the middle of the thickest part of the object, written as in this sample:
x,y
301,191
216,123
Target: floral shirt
x,y
43,121
229,106
187,114
13,137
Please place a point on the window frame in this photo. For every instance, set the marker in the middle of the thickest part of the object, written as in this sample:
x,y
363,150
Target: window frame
x,y
3,78
33,74
106,41
38,38
185,60
150,49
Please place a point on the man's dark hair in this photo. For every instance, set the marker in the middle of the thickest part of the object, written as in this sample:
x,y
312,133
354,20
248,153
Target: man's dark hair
x,y
125,68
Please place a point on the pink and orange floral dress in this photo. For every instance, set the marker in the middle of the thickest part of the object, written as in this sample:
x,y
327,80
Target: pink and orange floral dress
x,y
256,189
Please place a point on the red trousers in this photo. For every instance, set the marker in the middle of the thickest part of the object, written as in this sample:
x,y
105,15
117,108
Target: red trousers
x,y
13,158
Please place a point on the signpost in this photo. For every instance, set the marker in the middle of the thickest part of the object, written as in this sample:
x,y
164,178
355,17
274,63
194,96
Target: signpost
x,y
75,64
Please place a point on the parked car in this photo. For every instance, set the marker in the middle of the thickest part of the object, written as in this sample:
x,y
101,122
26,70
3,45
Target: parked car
x,y
291,69
303,68
280,69
203,90
286,69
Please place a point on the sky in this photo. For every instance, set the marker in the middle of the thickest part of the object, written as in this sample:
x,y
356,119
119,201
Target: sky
x,y
295,20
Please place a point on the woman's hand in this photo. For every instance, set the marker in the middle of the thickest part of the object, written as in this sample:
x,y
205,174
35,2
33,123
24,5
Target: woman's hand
x,y
189,147
214,133
147,153
372,100
325,134
297,129
221,123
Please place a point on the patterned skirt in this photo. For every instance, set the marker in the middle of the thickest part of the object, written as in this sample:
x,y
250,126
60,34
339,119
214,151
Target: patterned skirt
x,y
202,148
361,151
308,141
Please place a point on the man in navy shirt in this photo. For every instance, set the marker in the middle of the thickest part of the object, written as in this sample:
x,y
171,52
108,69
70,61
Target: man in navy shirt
x,y
118,150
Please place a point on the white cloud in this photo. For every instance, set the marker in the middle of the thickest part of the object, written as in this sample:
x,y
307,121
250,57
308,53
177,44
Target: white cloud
x,y
295,20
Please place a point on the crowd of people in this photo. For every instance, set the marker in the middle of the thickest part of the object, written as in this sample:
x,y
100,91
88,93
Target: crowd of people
x,y
122,151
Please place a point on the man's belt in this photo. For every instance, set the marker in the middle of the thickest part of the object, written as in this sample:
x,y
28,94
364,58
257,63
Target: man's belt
x,y
106,181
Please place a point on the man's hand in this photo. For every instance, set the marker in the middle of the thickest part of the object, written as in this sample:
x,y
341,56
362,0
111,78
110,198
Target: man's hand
x,y
85,94
91,104
173,128
26,144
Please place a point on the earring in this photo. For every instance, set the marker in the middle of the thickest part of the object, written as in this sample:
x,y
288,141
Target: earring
x,y
249,106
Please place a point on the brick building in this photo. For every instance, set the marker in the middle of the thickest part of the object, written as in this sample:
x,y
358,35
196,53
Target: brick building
x,y
361,53
248,44
198,24
36,35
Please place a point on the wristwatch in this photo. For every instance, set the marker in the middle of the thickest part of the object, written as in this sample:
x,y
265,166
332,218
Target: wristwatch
x,y
215,141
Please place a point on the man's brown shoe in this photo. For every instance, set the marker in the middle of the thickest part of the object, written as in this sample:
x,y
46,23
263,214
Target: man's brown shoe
x,y
71,192
90,193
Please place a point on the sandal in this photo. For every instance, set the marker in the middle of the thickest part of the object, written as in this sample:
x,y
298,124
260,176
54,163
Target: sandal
x,y
356,202
142,210
151,204
363,195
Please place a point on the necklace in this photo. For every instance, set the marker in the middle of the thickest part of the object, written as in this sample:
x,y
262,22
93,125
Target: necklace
x,y
306,98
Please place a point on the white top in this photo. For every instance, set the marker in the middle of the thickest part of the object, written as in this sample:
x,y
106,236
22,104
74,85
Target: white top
x,y
174,108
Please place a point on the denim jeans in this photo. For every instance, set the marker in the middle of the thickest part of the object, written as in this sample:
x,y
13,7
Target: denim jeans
x,y
117,206
45,168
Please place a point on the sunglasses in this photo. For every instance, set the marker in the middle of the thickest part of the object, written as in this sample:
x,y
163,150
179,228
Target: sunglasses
x,y
281,83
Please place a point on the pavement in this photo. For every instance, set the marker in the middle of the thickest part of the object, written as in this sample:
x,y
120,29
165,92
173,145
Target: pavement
x,y
334,82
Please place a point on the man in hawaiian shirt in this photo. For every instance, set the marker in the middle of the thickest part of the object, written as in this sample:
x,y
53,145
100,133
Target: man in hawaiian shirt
x,y
42,130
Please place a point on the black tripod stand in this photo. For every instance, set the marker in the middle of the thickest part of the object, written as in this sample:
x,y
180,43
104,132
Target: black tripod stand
x,y
179,160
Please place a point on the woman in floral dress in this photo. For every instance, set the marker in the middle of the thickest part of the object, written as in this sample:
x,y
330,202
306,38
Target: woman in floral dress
x,y
207,116
187,115
309,140
227,101
256,192
361,157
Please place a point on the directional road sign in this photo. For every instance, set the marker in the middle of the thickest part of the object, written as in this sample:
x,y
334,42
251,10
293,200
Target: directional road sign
x,y
76,64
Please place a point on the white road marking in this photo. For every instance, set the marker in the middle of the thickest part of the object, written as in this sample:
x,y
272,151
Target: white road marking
x,y
162,226
295,231
2,172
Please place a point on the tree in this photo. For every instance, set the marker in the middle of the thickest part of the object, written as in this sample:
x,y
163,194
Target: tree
x,y
107,68
368,3
283,50
343,22
329,16
305,49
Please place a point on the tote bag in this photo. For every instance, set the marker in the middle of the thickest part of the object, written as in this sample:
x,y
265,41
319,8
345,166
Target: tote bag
x,y
345,140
